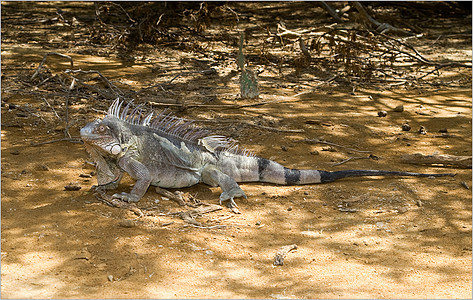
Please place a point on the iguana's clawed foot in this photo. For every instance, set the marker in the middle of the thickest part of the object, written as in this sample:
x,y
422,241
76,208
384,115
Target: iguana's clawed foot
x,y
103,187
229,195
130,198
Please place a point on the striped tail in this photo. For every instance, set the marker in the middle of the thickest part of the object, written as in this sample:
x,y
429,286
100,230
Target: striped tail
x,y
265,170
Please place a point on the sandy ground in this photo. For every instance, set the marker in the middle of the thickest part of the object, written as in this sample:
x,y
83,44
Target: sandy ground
x,y
356,238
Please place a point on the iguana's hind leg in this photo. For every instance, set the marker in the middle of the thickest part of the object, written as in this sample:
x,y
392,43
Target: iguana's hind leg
x,y
230,188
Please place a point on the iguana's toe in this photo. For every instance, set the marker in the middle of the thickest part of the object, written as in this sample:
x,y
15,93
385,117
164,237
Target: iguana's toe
x,y
130,198
229,195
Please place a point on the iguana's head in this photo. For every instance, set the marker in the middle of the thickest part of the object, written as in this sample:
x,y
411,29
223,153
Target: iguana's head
x,y
102,134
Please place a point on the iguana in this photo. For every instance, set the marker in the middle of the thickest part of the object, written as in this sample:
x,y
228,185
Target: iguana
x,y
170,152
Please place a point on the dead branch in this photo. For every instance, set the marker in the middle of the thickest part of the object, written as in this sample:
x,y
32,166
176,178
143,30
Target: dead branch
x,y
380,27
349,159
331,11
203,72
112,87
71,139
189,216
101,92
66,128
281,254
52,108
44,60
175,197
317,141
419,57
113,202
463,162
204,209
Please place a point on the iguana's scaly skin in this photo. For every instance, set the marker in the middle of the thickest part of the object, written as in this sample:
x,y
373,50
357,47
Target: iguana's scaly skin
x,y
169,153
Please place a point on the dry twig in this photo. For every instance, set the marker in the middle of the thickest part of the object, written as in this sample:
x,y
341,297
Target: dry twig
x,y
44,60
317,141
463,162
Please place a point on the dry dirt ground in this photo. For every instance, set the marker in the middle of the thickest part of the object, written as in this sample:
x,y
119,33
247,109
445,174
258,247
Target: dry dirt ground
x,y
356,238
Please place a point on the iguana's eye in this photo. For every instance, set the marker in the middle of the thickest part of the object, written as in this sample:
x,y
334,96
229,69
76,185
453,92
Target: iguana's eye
x,y
102,128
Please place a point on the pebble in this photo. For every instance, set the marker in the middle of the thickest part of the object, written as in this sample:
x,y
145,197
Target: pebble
x,y
382,113
419,203
315,152
422,130
110,278
127,223
209,252
399,108
329,149
465,185
85,175
283,148
350,210
402,210
258,223
15,152
443,130
43,168
406,127
289,208
72,187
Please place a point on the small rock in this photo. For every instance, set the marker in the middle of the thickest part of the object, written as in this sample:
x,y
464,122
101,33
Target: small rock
x,y
350,210
406,127
283,148
15,152
465,185
85,175
399,108
110,278
315,152
289,208
329,149
402,210
443,130
72,187
127,223
258,223
59,128
419,203
209,252
382,113
42,168
422,130
306,193
12,106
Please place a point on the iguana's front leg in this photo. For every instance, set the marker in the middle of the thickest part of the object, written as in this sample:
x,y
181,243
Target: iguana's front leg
x,y
140,173
213,176
110,185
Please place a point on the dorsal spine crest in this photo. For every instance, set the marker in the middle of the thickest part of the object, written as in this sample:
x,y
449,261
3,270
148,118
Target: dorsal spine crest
x,y
176,127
